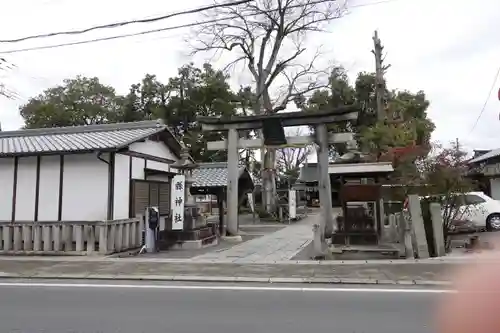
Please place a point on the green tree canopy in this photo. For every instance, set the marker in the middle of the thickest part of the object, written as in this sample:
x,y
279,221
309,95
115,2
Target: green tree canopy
x,y
406,111
193,92
78,101
199,92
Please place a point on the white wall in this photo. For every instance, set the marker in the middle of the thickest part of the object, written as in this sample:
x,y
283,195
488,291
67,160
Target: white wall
x,y
158,149
6,185
495,188
138,168
85,188
26,189
122,187
48,202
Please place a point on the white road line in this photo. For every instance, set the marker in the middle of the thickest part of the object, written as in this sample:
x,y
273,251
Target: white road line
x,y
211,287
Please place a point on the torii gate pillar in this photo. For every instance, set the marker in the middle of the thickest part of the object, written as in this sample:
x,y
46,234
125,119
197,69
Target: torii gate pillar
x,y
232,182
325,187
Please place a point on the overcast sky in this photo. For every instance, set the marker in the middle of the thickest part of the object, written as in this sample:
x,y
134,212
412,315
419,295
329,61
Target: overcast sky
x,y
448,48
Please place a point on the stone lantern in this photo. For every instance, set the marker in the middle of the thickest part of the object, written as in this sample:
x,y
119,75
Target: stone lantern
x,y
192,217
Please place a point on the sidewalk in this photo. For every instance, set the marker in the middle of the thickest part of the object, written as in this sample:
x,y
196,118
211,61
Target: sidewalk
x,y
368,273
280,245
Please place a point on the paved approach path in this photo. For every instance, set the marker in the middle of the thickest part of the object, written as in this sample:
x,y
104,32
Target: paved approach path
x,y
281,245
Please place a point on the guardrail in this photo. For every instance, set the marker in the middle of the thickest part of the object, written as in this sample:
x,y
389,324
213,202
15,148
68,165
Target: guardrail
x,y
70,237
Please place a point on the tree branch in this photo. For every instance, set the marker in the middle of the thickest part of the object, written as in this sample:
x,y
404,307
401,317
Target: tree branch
x,y
259,33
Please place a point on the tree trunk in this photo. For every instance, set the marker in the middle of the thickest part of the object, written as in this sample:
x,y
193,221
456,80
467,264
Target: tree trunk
x,y
268,158
269,180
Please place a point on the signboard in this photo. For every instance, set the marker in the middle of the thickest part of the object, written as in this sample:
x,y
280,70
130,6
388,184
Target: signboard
x,y
292,204
250,201
177,204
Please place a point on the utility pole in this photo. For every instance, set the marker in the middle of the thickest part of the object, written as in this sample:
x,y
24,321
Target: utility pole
x,y
457,151
380,70
185,126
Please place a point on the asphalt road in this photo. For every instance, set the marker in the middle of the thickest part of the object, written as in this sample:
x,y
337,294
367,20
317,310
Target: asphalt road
x,y
130,309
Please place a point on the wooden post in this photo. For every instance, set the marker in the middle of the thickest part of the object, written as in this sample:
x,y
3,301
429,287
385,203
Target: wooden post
x,y
325,188
232,182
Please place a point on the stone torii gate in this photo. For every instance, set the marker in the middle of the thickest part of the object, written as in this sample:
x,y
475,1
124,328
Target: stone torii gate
x,y
272,126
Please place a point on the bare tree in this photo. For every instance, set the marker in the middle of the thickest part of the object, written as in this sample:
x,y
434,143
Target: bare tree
x,y
268,38
6,65
290,159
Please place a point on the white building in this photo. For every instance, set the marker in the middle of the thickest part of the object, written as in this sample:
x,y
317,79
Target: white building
x,y
86,173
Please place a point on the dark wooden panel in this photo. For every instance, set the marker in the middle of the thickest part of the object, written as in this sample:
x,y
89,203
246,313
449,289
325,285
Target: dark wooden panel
x,y
154,194
353,193
164,204
141,197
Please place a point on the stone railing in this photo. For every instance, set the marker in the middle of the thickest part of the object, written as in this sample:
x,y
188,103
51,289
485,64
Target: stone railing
x,y
393,228
398,229
70,238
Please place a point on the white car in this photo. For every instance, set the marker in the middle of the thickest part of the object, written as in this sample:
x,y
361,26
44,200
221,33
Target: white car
x,y
477,210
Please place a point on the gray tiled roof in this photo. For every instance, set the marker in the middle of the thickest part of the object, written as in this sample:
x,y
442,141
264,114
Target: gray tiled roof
x,y
309,173
212,174
76,138
484,157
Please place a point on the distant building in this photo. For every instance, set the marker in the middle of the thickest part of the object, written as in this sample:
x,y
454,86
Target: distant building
x,y
485,169
340,173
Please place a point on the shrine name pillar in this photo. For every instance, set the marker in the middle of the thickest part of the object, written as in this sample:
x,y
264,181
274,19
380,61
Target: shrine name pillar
x,y
232,182
325,188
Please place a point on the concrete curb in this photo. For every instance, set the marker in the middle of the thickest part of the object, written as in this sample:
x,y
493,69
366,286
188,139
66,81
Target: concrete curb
x,y
140,259
226,279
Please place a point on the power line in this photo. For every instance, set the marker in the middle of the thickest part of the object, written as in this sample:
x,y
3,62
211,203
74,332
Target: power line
x,y
121,24
374,3
146,32
486,101
115,37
